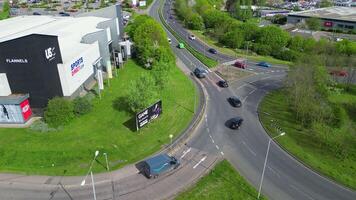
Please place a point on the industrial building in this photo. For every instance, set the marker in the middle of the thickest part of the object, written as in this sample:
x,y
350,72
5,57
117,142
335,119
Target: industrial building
x,y
333,18
48,56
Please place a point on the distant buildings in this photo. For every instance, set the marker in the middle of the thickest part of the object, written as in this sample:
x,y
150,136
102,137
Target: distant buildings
x,y
345,3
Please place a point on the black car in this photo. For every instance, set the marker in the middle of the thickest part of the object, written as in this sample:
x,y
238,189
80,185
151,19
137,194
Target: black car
x,y
223,83
236,122
200,72
36,13
213,51
234,101
64,14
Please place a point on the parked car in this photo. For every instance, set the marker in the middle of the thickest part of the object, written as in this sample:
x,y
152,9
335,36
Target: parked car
x,y
223,83
192,37
159,164
36,13
200,72
236,122
64,14
264,64
240,64
234,101
342,73
213,51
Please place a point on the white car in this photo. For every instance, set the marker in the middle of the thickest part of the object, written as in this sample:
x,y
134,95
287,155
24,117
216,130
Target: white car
x,y
192,37
169,40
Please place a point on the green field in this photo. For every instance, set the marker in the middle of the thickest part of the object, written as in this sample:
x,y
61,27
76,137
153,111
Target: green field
x,y
300,142
223,182
237,53
108,128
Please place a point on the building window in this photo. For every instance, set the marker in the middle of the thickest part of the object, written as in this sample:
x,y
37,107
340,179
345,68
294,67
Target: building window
x,y
349,27
340,26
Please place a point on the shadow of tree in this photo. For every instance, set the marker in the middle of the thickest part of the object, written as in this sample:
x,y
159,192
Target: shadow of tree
x,y
121,104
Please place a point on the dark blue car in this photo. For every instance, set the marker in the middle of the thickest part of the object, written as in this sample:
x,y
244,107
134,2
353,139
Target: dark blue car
x,y
264,64
159,164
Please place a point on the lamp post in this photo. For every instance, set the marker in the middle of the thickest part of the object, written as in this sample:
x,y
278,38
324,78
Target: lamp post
x,y
171,136
91,165
264,165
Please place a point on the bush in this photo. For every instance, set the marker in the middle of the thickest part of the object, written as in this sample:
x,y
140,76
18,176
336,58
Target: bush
x,y
59,112
41,126
262,49
82,105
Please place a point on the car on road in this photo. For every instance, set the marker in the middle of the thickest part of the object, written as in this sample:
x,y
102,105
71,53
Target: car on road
x,y
236,122
192,37
200,72
213,51
36,13
223,83
181,45
240,64
234,101
264,64
159,164
169,40
64,14
342,73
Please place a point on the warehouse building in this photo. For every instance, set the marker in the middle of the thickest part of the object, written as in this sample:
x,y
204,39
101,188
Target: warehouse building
x,y
343,18
47,56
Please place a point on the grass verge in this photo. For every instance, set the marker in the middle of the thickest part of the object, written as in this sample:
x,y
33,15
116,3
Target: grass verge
x,y
108,128
223,182
202,58
298,140
237,53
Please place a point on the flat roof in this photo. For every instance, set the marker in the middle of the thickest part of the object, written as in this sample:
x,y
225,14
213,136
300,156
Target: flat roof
x,y
335,13
69,30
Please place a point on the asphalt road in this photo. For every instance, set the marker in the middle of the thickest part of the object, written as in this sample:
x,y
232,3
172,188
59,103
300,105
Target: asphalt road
x,y
285,177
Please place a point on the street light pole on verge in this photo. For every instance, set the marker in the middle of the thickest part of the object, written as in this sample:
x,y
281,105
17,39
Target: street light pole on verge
x,y
91,174
264,165
171,136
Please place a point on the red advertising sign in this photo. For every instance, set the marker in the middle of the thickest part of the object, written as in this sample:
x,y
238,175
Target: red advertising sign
x,y
328,24
25,109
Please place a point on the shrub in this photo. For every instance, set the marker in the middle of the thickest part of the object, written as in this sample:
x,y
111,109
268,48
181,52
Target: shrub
x,y
262,49
82,105
59,112
41,126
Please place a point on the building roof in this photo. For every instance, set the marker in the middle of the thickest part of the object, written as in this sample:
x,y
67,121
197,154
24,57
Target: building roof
x,y
70,30
335,13
13,98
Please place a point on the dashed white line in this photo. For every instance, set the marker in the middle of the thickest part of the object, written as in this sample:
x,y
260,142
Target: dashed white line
x,y
217,146
222,153
210,136
185,152
301,191
252,91
201,160
207,129
212,140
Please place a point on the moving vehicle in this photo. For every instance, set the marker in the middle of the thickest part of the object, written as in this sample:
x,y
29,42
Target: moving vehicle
x,y
234,101
200,72
181,45
169,40
159,164
213,51
264,64
236,122
192,37
223,83
36,13
240,64
64,14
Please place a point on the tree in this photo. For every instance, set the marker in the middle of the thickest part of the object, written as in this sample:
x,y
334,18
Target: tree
x,y
279,19
325,3
250,30
273,36
234,38
141,93
195,22
313,23
102,4
297,43
5,11
346,47
59,112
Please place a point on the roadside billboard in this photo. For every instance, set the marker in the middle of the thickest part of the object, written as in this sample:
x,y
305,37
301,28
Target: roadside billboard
x,y
147,115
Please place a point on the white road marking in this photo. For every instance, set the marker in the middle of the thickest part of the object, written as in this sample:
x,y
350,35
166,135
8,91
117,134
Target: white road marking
x,y
248,148
217,146
251,92
207,129
185,152
222,153
241,86
301,191
272,71
210,136
274,171
201,160
212,140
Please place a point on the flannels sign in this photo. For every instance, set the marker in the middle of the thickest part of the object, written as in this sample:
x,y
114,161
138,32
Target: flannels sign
x,y
77,66
16,60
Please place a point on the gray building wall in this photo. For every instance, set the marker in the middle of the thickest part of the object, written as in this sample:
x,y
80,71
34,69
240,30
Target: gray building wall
x,y
101,37
336,24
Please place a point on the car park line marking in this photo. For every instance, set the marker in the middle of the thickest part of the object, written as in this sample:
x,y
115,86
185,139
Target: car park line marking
x,y
301,191
248,148
241,86
222,153
210,136
185,152
212,140
217,146
200,161
252,92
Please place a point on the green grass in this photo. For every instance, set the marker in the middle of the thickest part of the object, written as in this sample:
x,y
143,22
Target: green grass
x,y
298,140
108,128
223,182
237,53
201,57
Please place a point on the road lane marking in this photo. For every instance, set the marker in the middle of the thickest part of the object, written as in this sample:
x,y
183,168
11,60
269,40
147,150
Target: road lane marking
x,y
217,146
241,86
252,91
210,136
301,191
200,161
222,153
274,171
212,140
248,148
185,152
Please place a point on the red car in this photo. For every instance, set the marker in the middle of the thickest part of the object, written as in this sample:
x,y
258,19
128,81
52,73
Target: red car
x,y
342,73
240,64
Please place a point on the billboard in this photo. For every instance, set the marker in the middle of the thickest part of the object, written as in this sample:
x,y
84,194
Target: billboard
x,y
25,109
328,24
147,115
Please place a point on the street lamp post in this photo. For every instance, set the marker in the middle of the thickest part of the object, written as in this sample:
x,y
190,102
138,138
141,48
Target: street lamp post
x,y
264,165
91,165
171,136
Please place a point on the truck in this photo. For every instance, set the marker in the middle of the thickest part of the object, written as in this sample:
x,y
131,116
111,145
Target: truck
x,y
159,164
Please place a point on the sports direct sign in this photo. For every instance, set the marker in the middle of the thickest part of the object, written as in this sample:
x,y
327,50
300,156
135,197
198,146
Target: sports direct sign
x,y
25,109
77,66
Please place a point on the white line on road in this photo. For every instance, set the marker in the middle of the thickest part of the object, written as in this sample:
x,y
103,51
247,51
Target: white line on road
x,y
201,160
207,129
210,136
248,148
185,152
217,146
252,91
301,191
222,153
241,86
212,140
274,171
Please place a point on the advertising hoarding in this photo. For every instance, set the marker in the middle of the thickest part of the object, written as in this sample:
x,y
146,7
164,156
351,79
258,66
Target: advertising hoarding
x,y
25,109
147,115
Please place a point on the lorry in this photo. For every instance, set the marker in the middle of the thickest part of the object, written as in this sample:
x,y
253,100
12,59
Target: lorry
x,y
159,164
